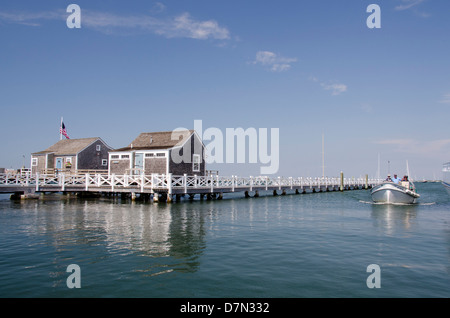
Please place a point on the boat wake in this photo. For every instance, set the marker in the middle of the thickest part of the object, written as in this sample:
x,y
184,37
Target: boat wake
x,y
384,203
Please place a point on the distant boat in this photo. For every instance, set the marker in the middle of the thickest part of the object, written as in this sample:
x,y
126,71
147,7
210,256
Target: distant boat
x,y
446,176
389,192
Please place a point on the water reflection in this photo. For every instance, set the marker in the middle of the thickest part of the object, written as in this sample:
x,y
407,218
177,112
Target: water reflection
x,y
388,216
171,236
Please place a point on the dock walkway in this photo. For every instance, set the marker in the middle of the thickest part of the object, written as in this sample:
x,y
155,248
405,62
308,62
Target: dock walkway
x,y
169,185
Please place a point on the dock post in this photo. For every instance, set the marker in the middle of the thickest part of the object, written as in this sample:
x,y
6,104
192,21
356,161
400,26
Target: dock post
x,y
133,196
256,194
37,181
156,197
169,184
367,182
275,192
246,194
232,183
342,182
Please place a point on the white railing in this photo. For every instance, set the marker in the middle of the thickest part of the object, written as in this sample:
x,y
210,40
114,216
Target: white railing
x,y
170,182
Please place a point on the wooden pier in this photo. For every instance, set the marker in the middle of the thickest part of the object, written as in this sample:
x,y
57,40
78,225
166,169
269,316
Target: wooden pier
x,y
167,187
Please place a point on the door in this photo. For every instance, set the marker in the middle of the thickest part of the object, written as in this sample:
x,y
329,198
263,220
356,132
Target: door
x,y
59,164
138,163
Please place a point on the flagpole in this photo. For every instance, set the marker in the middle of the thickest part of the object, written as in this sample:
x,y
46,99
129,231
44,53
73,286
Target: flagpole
x,y
60,129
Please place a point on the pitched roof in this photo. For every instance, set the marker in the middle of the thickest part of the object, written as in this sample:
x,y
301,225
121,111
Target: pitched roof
x,y
158,140
68,146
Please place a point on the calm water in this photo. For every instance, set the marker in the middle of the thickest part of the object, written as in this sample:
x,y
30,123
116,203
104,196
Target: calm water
x,y
310,245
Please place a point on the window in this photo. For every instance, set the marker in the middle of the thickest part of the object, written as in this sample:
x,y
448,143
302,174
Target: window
x,y
98,147
104,162
69,160
160,154
147,155
195,163
115,156
34,162
125,156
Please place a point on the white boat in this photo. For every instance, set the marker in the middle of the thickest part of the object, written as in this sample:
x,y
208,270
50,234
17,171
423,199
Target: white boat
x,y
446,176
396,193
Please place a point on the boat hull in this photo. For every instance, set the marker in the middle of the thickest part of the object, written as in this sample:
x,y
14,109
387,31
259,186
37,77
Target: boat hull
x,y
393,194
446,186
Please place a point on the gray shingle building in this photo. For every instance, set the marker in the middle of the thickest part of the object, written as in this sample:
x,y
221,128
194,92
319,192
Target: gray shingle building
x,y
176,152
72,155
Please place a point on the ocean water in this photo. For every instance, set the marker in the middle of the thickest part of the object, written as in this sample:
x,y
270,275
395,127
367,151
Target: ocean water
x,y
292,246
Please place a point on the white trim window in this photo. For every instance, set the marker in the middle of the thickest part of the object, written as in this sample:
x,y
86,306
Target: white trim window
x,y
98,147
104,162
34,162
195,163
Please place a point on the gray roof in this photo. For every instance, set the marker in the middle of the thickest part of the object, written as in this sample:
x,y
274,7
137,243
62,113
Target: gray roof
x,y
158,140
68,146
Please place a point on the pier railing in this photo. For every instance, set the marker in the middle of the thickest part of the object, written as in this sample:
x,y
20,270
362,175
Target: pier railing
x,y
172,183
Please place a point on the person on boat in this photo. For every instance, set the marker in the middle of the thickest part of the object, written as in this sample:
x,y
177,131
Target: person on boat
x,y
405,178
395,179
389,178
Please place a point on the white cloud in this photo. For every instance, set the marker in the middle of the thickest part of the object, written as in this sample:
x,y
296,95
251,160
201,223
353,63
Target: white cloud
x,y
412,5
31,18
182,25
336,89
366,107
408,4
273,61
445,99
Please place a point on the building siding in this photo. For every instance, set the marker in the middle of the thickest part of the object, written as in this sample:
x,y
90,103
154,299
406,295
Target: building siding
x,y
119,166
194,146
155,165
90,158
40,164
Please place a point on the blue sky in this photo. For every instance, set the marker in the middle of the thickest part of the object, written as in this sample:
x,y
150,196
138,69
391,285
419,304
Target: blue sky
x,y
305,67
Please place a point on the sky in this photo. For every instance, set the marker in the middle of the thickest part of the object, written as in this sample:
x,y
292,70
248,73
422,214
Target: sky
x,y
314,70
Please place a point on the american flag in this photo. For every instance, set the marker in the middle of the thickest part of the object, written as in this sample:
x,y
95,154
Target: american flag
x,y
63,130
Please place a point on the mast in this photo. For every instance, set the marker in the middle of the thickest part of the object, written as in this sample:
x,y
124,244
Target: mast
x,y
323,156
378,172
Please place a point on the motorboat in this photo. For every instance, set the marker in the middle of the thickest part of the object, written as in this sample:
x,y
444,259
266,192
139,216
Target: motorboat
x,y
446,176
403,192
